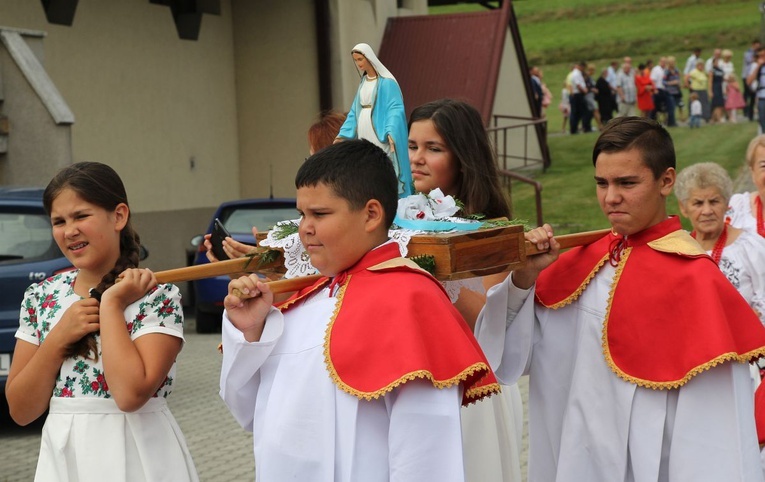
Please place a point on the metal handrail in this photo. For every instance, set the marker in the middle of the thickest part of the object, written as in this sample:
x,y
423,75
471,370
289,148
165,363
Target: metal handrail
x,y
537,190
540,125
502,156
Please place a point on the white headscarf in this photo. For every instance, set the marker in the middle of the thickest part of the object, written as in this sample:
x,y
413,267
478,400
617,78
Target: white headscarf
x,y
366,51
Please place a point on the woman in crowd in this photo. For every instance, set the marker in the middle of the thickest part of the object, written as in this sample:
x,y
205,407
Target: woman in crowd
x,y
645,90
698,82
377,113
703,191
449,149
716,95
746,210
605,98
672,82
590,96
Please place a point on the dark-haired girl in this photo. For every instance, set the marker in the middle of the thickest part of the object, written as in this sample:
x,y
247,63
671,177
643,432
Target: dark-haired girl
x,y
103,369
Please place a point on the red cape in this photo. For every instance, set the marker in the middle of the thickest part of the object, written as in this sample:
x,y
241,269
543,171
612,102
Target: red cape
x,y
394,323
671,313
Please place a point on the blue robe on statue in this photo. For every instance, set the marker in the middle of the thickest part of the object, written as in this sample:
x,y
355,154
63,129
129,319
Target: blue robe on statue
x,y
388,118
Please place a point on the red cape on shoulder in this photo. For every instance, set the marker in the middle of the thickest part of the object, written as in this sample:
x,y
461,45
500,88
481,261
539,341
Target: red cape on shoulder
x,y
671,313
394,323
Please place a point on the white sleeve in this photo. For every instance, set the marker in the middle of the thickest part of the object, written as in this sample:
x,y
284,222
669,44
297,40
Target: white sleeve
x,y
505,330
425,437
755,259
239,375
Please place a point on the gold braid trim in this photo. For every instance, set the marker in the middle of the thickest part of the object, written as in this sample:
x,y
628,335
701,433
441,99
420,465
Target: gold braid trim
x,y
461,377
730,356
476,394
573,296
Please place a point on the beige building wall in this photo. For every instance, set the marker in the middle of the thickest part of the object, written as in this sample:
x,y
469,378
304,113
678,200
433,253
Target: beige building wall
x,y
189,124
357,22
162,111
277,87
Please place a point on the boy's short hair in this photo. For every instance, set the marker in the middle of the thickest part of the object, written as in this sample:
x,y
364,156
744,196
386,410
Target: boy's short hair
x,y
357,171
646,135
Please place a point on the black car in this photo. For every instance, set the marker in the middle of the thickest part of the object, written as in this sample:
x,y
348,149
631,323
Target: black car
x,y
28,254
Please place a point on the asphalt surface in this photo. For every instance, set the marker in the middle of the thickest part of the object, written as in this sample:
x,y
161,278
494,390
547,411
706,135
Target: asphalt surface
x,y
222,451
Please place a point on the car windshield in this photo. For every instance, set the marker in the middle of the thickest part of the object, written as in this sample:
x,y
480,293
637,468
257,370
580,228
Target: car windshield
x,y
241,220
24,236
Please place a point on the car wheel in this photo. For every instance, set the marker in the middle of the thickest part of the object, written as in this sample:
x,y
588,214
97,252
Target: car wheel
x,y
208,322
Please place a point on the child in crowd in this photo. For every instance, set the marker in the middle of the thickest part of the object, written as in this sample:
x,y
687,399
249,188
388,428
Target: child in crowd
x,y
734,99
565,104
102,368
360,376
631,378
696,110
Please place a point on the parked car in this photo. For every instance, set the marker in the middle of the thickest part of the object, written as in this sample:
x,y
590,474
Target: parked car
x,y
238,217
28,254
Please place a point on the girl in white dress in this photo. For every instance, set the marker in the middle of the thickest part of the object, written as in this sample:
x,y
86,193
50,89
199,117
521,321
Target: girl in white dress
x,y
449,149
101,367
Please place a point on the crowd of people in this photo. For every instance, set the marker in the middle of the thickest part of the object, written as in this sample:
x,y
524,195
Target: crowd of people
x,y
636,344
716,91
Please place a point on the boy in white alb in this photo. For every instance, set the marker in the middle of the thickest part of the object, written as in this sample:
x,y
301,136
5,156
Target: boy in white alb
x,y
631,342
359,377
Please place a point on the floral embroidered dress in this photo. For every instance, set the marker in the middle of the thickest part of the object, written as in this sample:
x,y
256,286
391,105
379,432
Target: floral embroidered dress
x,y
86,434
743,263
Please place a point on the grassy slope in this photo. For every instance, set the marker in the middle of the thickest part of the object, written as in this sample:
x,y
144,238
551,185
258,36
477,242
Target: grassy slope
x,y
568,195
602,30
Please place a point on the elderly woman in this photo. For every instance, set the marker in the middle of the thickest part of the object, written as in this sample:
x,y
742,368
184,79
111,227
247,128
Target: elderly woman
x,y
703,191
745,210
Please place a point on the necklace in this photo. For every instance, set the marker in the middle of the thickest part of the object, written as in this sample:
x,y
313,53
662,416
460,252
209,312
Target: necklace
x,y
371,78
719,244
760,223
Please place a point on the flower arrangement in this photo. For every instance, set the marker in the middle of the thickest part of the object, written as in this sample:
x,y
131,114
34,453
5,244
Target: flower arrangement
x,y
432,212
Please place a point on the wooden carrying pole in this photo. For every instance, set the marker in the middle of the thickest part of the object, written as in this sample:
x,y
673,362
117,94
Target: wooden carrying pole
x,y
251,264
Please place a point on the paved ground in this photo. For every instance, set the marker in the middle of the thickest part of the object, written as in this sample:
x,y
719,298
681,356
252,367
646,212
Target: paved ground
x,y
222,451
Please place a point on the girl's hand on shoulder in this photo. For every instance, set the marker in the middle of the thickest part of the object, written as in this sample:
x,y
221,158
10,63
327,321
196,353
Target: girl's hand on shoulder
x,y
79,320
247,304
134,283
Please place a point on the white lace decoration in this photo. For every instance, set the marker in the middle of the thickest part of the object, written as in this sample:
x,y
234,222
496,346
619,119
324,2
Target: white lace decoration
x,y
430,212
453,288
297,261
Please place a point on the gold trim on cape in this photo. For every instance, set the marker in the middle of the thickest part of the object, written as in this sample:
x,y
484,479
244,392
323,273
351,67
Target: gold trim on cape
x,y
730,356
474,393
573,296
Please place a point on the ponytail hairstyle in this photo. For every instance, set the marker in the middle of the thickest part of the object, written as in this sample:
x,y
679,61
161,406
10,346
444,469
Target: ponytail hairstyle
x,y
100,185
